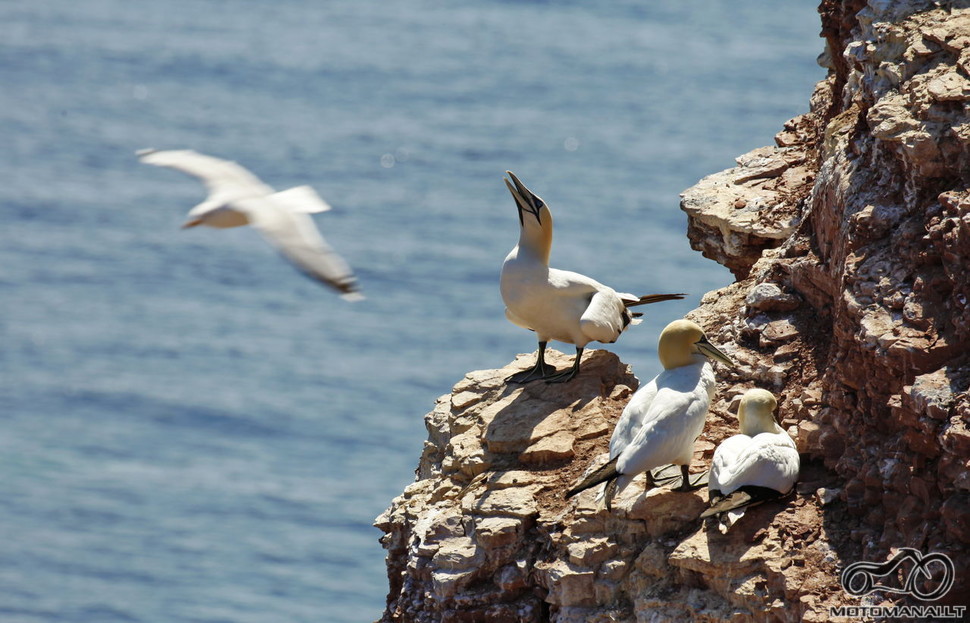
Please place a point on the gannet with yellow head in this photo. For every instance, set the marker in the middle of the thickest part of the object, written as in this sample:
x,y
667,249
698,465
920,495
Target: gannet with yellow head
x,y
558,304
759,464
664,417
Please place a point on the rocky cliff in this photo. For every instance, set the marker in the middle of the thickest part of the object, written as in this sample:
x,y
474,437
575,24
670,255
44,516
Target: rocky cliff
x,y
850,241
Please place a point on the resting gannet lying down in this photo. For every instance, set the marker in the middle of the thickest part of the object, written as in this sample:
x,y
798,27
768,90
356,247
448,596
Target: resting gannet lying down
x,y
665,416
759,464
237,197
558,304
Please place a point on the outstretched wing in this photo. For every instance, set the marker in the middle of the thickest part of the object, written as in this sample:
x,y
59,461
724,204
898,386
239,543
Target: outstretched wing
x,y
300,199
224,179
295,235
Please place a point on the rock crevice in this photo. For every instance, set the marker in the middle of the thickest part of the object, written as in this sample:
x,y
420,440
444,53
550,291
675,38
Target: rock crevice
x,y
850,242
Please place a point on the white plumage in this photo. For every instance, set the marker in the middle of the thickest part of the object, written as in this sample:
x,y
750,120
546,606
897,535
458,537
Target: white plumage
x,y
758,464
237,198
558,304
664,418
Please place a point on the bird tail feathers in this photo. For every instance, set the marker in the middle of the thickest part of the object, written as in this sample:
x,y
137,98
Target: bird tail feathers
x,y
652,298
601,474
748,495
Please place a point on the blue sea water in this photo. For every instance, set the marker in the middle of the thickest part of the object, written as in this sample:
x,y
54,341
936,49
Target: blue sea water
x,y
192,431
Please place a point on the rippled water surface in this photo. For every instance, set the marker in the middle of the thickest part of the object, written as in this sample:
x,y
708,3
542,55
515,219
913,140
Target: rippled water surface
x,y
192,431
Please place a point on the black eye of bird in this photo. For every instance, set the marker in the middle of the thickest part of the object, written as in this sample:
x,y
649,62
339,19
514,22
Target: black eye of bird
x,y
539,203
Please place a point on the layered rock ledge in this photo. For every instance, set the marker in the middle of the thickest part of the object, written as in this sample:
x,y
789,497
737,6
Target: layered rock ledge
x,y
850,242
484,533
858,317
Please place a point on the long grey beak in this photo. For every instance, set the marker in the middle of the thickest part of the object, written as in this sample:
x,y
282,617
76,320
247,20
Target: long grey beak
x,y
525,199
710,351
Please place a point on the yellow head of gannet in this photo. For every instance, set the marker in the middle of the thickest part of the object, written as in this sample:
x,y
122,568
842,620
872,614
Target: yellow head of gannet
x,y
664,417
558,304
680,343
756,413
758,464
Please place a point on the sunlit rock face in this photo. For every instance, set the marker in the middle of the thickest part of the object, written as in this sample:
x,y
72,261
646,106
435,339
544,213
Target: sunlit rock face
x,y
859,317
485,534
850,240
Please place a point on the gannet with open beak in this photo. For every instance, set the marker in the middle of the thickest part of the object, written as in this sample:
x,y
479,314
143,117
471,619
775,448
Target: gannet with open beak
x,y
558,304
664,417
237,197
759,464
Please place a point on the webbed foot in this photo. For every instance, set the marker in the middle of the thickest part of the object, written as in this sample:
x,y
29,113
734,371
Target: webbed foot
x,y
532,374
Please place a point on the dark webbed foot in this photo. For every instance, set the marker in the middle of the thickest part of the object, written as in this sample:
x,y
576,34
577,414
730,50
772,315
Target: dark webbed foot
x,y
561,377
567,375
532,374
700,480
667,476
688,483
664,476
540,370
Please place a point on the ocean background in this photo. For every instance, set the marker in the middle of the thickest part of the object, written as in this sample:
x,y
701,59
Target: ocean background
x,y
190,430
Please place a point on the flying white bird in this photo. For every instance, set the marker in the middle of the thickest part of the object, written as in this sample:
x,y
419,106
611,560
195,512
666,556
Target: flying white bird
x,y
664,417
237,197
759,464
558,304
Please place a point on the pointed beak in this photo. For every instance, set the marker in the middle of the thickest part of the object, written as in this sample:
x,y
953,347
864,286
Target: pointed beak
x,y
711,352
194,222
525,199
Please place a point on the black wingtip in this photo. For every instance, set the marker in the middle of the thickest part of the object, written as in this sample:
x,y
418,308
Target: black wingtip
x,y
709,512
604,473
748,495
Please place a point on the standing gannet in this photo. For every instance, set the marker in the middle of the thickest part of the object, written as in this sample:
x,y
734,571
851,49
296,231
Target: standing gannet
x,y
663,418
558,304
237,197
759,464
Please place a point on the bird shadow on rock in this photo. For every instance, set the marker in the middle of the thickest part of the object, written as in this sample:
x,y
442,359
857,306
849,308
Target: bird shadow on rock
x,y
540,422
664,510
737,553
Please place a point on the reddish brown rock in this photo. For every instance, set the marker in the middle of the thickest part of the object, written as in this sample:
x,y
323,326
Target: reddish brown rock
x,y
881,261
850,240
